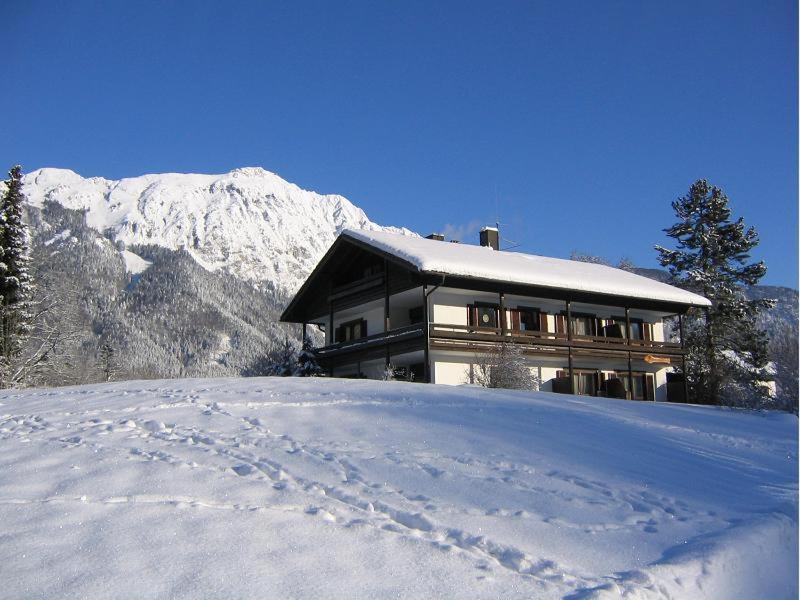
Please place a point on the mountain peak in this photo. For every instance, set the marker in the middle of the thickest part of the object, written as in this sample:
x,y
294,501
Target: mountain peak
x,y
249,222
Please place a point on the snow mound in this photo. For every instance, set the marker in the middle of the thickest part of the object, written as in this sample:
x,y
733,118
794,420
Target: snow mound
x,y
358,489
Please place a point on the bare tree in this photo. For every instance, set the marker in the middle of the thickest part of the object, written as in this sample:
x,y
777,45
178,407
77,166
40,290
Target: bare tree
x,y
52,349
504,366
784,354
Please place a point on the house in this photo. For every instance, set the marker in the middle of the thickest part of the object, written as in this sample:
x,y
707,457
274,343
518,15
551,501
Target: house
x,y
430,308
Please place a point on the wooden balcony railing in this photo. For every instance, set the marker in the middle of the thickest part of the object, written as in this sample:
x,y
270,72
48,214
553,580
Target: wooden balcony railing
x,y
392,335
548,338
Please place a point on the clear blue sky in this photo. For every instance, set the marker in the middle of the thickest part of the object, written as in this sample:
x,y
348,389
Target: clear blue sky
x,y
577,122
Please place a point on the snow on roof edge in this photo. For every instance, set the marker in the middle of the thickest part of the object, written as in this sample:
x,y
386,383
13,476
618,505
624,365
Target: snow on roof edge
x,y
479,262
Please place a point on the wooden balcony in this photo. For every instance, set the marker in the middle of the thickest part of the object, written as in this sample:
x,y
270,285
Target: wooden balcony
x,y
369,343
477,336
446,336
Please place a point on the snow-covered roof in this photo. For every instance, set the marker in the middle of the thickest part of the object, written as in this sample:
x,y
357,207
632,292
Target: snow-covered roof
x,y
479,262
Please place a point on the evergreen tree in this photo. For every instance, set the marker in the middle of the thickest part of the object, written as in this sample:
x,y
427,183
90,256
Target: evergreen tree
x,y
15,281
307,365
108,363
283,359
727,352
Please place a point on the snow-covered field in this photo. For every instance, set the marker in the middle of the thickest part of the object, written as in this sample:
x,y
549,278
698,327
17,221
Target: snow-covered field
x,y
286,488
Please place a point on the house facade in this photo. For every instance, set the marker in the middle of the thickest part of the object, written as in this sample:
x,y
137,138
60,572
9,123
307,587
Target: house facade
x,y
434,309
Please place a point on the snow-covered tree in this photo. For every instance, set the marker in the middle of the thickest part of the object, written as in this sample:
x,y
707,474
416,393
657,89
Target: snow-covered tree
x,y
727,352
784,351
15,282
503,366
283,359
107,361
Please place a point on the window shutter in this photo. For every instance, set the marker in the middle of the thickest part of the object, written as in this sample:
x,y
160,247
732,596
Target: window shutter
x,y
363,328
561,324
647,331
542,321
649,387
515,324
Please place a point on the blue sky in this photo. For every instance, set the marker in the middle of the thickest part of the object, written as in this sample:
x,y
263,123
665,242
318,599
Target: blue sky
x,y
578,123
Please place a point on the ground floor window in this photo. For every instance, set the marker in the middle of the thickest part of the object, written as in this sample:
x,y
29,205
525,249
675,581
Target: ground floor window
x,y
613,385
643,385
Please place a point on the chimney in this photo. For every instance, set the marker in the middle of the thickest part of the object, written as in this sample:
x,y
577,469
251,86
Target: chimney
x,y
490,236
435,236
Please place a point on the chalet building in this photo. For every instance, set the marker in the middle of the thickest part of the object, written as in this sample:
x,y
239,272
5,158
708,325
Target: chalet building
x,y
430,308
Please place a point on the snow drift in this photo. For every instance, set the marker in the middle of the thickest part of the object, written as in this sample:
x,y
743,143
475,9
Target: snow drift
x,y
346,489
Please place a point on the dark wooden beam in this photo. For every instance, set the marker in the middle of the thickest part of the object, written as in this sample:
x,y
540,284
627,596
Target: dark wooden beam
x,y
569,341
331,335
503,327
630,376
426,316
386,319
628,325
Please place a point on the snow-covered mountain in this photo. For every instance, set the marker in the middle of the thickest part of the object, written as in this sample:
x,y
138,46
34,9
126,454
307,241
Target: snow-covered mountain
x,y
249,222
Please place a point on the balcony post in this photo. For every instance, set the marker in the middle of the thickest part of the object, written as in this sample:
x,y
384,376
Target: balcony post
x,y
628,340
502,313
628,326
569,348
427,320
331,337
386,321
683,359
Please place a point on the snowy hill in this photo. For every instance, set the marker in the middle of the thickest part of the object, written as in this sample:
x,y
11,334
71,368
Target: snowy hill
x,y
354,489
249,222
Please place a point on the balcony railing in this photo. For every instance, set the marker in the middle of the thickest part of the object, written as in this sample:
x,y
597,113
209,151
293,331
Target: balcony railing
x,y
470,333
393,335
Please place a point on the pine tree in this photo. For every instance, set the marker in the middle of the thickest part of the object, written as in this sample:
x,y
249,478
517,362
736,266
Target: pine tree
x,y
307,365
15,281
283,359
108,363
727,353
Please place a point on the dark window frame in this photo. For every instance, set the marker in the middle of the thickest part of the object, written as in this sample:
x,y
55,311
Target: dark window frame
x,y
349,327
472,311
519,309
595,321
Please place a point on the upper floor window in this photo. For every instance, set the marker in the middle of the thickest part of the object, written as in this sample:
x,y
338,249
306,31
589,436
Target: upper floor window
x,y
527,319
584,324
639,329
352,330
482,315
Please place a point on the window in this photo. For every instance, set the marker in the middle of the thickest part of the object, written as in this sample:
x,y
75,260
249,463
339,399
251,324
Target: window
x,y
525,319
639,329
643,385
483,315
584,324
352,330
586,382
